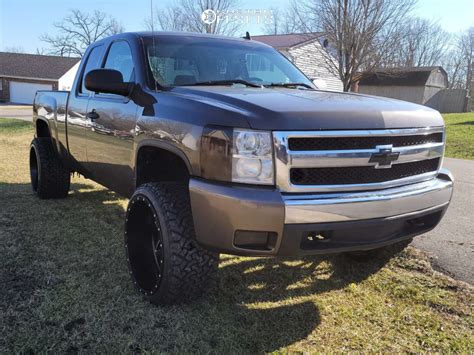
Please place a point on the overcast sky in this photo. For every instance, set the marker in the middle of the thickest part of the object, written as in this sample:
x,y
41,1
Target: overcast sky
x,y
23,21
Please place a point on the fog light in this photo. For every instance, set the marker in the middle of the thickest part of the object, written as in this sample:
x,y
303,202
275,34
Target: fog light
x,y
255,240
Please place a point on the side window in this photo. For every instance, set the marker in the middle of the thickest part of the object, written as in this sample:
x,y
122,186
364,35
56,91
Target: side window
x,y
93,62
120,58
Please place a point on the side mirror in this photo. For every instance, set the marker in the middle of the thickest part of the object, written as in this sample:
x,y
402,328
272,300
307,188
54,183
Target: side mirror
x,y
320,83
108,81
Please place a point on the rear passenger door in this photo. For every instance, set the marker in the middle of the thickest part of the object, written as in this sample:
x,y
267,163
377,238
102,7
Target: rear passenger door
x,y
77,120
110,134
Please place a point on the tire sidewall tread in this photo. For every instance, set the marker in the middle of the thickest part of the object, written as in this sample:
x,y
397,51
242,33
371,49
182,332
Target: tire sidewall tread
x,y
189,269
53,178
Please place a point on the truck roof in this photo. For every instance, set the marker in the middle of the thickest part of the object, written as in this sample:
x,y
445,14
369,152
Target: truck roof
x,y
163,34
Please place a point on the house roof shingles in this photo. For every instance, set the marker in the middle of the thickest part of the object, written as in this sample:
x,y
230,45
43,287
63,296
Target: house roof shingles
x,y
410,76
34,66
286,40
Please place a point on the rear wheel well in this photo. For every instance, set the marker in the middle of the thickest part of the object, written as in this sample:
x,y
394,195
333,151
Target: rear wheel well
x,y
42,129
160,165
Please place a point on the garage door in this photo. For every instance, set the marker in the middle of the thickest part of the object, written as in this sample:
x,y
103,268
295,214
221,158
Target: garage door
x,y
24,93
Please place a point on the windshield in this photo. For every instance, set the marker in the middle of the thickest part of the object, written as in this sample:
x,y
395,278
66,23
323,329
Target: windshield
x,y
182,60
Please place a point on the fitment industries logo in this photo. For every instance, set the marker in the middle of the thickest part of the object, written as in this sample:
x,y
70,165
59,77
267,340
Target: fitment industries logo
x,y
209,16
247,16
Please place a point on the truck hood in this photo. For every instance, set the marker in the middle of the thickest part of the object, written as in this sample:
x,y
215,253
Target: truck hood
x,y
293,109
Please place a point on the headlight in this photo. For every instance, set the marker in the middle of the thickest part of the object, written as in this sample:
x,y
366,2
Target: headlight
x,y
252,160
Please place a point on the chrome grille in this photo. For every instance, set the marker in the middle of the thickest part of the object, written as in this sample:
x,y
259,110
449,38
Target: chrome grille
x,y
315,143
360,174
341,160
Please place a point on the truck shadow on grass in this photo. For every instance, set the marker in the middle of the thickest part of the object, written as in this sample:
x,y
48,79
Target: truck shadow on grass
x,y
465,123
66,286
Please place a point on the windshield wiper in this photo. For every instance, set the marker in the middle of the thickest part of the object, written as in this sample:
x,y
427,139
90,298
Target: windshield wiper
x,y
286,85
224,82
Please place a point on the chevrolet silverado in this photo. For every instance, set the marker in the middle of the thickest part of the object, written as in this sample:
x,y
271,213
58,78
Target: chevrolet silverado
x,y
223,146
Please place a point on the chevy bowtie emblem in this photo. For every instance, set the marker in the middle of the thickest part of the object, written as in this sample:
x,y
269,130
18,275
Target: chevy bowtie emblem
x,y
384,157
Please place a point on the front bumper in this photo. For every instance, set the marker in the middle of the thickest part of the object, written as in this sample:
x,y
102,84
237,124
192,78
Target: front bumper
x,y
263,222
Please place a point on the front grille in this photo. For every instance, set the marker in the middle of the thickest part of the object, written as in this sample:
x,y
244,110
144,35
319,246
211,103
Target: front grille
x,y
360,174
336,161
346,143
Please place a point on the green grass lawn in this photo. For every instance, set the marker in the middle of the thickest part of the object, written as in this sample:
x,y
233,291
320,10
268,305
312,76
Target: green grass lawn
x,y
460,135
11,125
65,287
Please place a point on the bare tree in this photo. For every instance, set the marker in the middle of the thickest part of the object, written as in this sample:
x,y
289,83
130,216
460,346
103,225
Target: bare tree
x,y
283,21
275,26
169,19
420,42
360,30
185,15
41,51
466,48
459,60
14,49
78,30
453,63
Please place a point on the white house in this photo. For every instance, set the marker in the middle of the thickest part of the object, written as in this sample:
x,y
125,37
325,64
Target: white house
x,y
66,80
308,54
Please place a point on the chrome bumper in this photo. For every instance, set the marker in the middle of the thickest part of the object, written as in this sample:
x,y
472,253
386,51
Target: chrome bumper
x,y
351,206
352,220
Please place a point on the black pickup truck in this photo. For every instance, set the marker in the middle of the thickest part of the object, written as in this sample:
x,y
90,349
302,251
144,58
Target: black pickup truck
x,y
223,145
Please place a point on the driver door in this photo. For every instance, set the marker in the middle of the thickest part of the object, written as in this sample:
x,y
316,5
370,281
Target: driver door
x,y
111,132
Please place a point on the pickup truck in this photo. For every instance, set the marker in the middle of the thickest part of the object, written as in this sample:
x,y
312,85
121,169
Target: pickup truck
x,y
223,146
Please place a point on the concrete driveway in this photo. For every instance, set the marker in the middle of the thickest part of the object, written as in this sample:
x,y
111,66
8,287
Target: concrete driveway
x,y
451,243
21,112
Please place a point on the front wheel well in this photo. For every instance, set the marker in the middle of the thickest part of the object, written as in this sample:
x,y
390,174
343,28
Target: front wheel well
x,y
160,165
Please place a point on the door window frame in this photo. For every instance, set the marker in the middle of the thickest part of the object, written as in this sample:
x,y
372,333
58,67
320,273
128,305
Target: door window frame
x,y
78,92
115,97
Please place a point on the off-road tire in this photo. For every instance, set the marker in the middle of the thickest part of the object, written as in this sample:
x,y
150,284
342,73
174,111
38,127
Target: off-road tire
x,y
385,252
49,177
164,260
